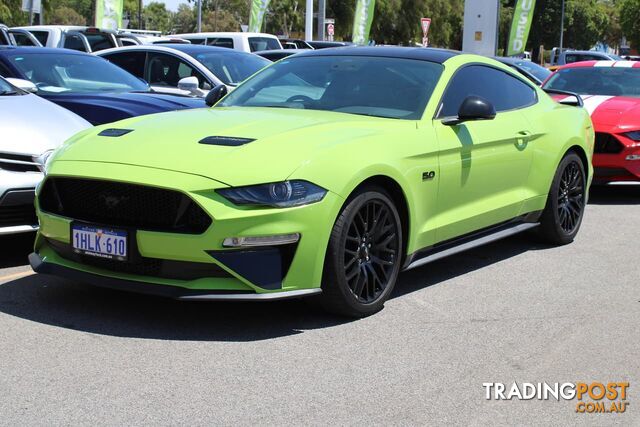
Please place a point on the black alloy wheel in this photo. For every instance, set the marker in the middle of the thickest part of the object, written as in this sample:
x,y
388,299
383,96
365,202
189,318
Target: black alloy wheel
x,y
571,197
371,250
364,255
563,213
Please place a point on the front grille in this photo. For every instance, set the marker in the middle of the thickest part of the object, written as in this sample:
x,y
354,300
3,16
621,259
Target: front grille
x,y
123,205
18,163
607,144
17,215
142,266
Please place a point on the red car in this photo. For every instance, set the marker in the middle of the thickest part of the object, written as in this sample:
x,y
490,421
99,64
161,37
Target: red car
x,y
611,93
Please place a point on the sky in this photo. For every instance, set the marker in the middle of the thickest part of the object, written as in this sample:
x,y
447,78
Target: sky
x,y
171,4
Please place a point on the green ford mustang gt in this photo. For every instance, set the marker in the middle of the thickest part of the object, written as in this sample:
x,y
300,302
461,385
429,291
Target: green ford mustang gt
x,y
323,175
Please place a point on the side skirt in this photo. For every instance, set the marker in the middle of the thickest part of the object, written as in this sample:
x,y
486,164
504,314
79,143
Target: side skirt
x,y
470,241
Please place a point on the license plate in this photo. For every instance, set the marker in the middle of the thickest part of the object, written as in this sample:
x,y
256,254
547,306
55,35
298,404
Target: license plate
x,y
99,242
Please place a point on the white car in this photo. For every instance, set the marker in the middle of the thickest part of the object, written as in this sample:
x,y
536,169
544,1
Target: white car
x,y
32,128
132,39
185,69
246,42
84,39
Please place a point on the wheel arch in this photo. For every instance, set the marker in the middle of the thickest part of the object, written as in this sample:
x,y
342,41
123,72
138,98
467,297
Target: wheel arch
x,y
583,157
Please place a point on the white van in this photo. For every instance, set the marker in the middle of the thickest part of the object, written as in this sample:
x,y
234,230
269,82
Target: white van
x,y
246,42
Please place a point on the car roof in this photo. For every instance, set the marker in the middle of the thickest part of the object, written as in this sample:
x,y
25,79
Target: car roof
x,y
421,53
189,49
225,34
615,64
18,50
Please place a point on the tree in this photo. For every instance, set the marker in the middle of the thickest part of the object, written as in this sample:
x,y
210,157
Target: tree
x,y
156,17
184,20
285,17
219,20
64,15
11,13
630,21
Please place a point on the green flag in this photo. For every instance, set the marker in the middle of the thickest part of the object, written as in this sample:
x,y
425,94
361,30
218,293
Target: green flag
x,y
362,20
258,9
109,14
522,17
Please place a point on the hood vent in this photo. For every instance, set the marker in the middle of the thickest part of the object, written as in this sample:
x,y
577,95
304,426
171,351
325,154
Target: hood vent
x,y
114,133
226,141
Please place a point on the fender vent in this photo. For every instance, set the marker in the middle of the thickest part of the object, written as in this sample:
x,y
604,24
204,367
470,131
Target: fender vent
x,y
226,141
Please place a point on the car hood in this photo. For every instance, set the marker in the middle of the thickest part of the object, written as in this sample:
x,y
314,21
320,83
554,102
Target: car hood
x,y
613,111
278,141
31,125
100,108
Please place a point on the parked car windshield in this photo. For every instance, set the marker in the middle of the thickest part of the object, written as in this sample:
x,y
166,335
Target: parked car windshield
x,y
534,69
611,81
6,88
73,73
373,86
232,67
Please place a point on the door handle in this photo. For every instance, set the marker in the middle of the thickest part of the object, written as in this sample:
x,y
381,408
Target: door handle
x,y
522,138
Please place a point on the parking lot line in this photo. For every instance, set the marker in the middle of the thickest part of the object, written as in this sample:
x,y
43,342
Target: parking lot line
x,y
15,276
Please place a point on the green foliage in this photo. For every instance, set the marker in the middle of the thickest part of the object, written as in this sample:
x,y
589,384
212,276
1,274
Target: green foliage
x,y
630,21
11,13
64,15
156,17
184,20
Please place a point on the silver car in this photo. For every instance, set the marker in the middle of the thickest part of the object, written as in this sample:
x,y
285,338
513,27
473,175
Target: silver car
x,y
31,128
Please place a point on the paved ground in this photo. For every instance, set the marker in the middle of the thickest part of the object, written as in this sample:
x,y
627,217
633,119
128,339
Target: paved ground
x,y
511,311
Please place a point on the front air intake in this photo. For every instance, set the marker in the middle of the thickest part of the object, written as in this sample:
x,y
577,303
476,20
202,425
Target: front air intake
x,y
120,204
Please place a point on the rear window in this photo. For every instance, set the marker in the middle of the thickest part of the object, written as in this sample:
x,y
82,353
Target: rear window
x,y
220,42
42,36
99,41
263,43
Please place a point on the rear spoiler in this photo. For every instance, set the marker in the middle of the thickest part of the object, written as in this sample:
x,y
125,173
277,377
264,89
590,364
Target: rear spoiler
x,y
577,103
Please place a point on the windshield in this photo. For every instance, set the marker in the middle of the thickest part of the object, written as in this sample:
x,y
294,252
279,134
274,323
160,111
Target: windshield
x,y
534,69
373,86
71,73
611,81
232,68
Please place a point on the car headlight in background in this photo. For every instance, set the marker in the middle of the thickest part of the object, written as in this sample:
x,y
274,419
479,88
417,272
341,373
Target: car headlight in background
x,y
43,159
635,135
278,194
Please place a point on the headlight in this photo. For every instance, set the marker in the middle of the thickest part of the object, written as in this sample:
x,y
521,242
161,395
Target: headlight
x,y
43,159
635,135
278,194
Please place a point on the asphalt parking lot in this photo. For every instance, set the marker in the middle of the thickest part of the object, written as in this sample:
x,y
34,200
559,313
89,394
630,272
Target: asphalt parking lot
x,y
510,311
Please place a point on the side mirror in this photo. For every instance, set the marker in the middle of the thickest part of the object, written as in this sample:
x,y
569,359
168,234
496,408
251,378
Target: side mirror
x,y
472,108
25,85
189,84
215,95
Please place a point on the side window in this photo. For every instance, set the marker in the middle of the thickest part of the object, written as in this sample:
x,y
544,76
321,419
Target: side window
x,y
4,38
42,36
22,40
133,62
197,41
504,91
167,70
74,42
220,42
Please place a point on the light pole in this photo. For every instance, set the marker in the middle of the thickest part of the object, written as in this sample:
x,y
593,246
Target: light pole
x,y
199,16
561,25
308,21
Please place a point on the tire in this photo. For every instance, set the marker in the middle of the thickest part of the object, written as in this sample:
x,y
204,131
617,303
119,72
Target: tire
x,y
363,259
560,221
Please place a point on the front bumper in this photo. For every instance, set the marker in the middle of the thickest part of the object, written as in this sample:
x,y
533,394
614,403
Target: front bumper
x,y
40,266
284,271
617,167
17,191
